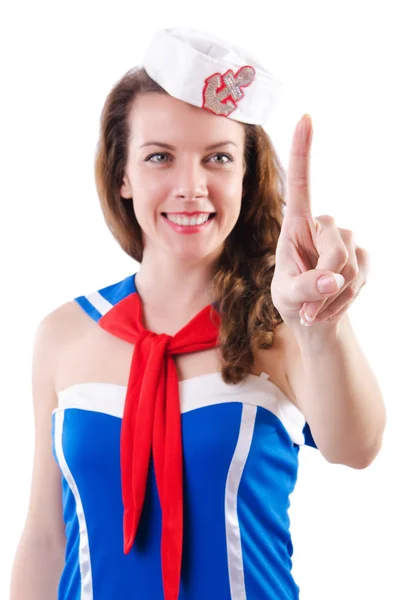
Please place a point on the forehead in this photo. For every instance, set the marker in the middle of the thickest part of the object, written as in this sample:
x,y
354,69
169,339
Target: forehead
x,y
164,118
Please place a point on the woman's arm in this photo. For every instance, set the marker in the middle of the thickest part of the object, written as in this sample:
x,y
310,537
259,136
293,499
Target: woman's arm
x,y
40,554
37,569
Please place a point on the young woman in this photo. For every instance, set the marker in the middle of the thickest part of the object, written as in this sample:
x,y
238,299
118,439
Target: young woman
x,y
175,394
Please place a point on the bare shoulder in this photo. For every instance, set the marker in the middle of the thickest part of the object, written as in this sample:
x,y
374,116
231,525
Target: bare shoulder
x,y
67,318
67,322
51,327
59,328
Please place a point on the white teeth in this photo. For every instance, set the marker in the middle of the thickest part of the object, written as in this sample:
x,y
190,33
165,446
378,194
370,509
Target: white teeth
x,y
183,220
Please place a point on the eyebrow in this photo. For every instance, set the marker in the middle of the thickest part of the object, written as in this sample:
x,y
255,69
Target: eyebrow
x,y
170,147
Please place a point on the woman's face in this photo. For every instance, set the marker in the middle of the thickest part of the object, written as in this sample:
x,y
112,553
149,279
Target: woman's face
x,y
184,176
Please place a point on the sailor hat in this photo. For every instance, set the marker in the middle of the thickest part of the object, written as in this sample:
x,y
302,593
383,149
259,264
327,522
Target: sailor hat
x,y
213,74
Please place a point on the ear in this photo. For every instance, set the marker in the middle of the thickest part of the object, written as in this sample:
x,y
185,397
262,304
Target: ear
x,y
125,190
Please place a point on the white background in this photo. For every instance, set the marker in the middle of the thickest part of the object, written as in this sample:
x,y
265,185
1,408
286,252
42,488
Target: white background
x,y
59,61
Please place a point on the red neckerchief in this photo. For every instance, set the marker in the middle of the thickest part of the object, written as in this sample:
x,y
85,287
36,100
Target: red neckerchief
x,y
152,419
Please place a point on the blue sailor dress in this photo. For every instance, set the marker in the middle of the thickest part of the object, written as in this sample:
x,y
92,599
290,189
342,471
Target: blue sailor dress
x,y
240,464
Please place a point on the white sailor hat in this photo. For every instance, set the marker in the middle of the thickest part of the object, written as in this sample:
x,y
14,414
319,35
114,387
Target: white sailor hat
x,y
216,75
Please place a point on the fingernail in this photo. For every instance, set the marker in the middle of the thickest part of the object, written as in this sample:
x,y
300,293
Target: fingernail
x,y
327,284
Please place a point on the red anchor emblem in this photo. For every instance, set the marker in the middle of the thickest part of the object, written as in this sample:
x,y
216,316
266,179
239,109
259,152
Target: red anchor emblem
x,y
221,92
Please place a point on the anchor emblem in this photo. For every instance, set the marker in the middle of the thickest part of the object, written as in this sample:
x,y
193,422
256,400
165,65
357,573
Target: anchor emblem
x,y
221,92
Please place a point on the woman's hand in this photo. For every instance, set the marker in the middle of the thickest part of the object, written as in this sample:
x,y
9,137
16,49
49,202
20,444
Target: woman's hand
x,y
310,248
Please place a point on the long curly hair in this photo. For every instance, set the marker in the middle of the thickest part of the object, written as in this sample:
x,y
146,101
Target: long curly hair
x,y
243,273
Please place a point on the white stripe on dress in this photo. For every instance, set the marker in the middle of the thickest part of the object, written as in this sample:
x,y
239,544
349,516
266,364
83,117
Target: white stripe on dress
x,y
99,302
233,536
84,548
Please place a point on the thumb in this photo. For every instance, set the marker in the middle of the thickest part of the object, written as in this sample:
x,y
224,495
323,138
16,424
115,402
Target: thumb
x,y
316,284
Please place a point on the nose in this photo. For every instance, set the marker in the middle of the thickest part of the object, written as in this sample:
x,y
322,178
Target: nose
x,y
190,180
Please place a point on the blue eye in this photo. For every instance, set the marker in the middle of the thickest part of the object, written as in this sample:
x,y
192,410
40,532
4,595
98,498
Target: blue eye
x,y
230,159
148,159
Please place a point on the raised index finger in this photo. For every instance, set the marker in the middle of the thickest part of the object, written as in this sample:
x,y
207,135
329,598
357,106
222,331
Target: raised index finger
x,y
297,189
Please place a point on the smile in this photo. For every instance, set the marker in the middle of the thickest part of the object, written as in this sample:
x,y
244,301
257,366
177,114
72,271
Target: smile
x,y
188,228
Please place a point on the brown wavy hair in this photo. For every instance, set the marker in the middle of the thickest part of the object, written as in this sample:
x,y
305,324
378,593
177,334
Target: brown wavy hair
x,y
243,273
